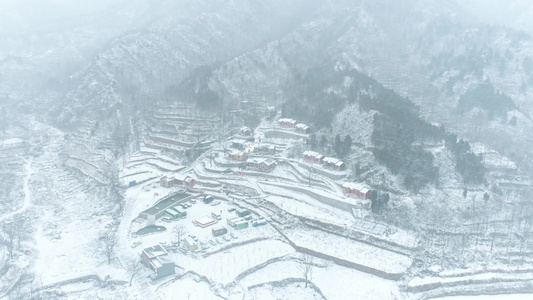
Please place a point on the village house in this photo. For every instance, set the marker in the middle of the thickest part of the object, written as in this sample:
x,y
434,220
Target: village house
x,y
334,164
312,156
253,163
177,180
267,165
239,144
261,164
270,111
156,258
237,155
265,149
245,131
352,189
302,128
287,122
184,180
168,181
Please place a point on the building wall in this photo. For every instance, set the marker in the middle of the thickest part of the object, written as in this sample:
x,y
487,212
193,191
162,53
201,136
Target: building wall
x,y
165,270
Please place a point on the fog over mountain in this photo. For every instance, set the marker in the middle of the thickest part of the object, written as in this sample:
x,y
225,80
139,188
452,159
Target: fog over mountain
x,y
266,149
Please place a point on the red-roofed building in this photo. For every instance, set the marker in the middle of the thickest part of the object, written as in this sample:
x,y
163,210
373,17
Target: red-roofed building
x,y
334,163
177,180
356,190
312,156
287,122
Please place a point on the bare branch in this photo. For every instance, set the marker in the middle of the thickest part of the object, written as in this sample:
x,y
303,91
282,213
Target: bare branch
x,y
133,267
306,267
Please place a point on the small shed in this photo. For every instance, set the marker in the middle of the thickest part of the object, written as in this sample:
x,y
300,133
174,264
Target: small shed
x,y
191,244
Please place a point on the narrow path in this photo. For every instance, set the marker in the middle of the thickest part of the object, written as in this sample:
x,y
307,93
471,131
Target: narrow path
x,y
27,193
122,251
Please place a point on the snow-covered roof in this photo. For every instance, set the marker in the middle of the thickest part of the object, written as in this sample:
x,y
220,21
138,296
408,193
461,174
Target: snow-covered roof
x,y
311,153
190,241
287,120
164,260
204,220
181,177
353,186
269,162
255,161
154,251
266,146
302,126
238,141
365,190
236,219
332,160
237,152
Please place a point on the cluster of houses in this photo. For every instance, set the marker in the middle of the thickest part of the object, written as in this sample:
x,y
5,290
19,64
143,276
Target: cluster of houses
x,y
290,123
242,148
352,189
177,180
156,258
326,161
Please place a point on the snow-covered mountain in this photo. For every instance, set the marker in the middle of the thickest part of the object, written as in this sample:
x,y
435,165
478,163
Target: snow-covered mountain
x,y
434,95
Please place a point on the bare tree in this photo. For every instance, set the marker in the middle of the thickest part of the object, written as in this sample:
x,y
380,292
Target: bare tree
x,y
8,237
306,267
133,267
26,288
107,246
20,225
179,231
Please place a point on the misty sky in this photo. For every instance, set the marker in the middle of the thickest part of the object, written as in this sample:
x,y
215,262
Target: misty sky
x,y
27,15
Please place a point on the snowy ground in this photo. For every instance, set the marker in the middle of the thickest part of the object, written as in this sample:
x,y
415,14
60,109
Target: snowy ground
x,y
258,263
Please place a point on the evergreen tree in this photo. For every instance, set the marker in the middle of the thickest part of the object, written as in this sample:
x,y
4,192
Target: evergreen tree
x,y
312,141
323,142
337,145
347,145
